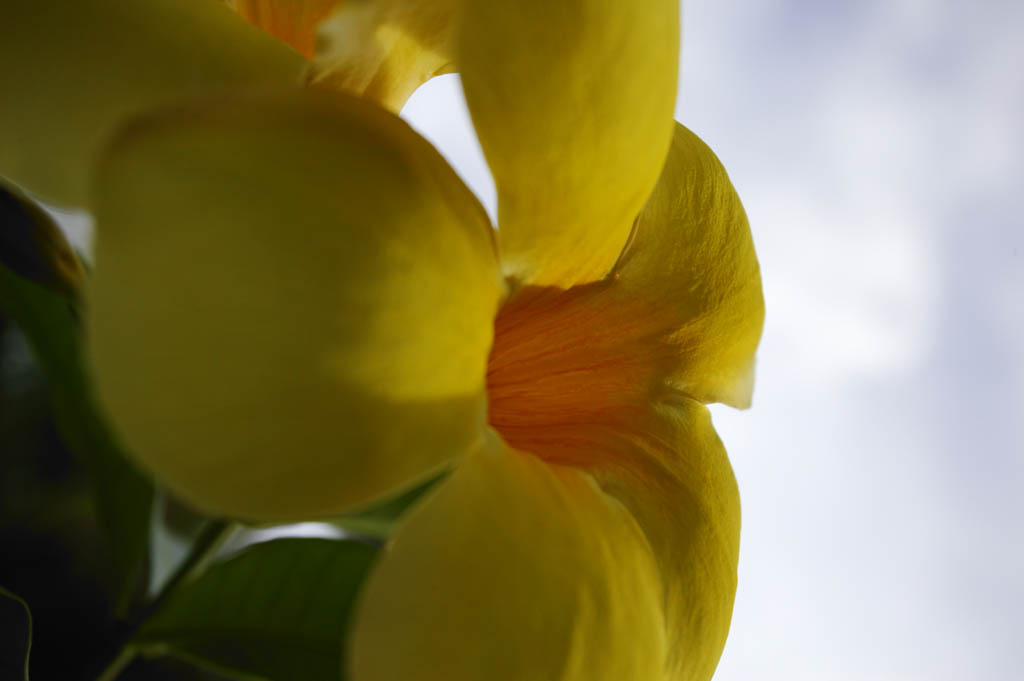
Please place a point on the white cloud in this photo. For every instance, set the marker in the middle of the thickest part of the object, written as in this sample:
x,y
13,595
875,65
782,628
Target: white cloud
x,y
848,291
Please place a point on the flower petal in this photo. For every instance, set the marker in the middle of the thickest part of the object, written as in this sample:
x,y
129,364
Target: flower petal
x,y
667,466
73,69
292,304
572,103
692,261
578,378
514,569
664,462
385,49
293,21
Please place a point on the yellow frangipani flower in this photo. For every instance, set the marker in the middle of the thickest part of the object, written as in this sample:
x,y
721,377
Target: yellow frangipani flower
x,y
298,308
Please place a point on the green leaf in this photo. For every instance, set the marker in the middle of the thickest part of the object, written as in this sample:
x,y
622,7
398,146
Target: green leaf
x,y
278,610
49,319
16,633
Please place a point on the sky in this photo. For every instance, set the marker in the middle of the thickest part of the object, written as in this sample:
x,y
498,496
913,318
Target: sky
x,y
877,148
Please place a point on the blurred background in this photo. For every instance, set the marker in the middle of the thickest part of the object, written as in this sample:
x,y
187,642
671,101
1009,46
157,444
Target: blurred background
x,y
878,149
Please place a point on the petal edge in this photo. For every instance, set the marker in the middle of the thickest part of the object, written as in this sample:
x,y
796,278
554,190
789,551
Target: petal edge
x,y
572,103
692,260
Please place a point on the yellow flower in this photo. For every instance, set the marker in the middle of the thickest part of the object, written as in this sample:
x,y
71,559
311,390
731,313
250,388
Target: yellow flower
x,y
298,308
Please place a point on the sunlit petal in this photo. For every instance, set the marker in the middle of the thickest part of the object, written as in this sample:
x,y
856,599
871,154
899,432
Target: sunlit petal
x,y
383,50
292,304
572,103
293,21
692,265
666,464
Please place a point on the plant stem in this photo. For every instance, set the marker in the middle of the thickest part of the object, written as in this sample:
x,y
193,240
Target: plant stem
x,y
117,665
205,547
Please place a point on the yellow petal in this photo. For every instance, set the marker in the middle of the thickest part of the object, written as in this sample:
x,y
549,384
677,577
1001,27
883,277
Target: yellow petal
x,y
572,103
384,49
513,570
292,303
667,466
578,378
692,263
293,21
73,69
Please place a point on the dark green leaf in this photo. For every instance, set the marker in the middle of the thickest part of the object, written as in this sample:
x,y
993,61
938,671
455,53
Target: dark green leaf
x,y
49,319
15,637
278,610
169,669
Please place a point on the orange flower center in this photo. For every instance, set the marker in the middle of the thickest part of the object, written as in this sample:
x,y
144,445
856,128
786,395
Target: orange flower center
x,y
564,361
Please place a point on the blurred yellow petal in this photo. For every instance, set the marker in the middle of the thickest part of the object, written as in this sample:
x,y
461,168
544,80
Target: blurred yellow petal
x,y
513,570
74,69
572,103
293,21
384,49
292,303
692,263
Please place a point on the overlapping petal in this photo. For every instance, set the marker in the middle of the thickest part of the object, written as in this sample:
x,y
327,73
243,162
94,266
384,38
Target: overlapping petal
x,y
666,464
514,569
293,21
582,378
74,69
384,49
572,102
292,304
691,268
